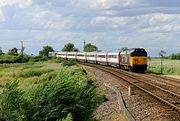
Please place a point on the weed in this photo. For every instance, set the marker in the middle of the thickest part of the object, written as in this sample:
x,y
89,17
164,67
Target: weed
x,y
170,67
67,95
69,62
33,72
56,60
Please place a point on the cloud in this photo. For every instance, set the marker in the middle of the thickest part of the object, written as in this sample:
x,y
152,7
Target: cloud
x,y
161,23
110,24
2,18
51,20
20,3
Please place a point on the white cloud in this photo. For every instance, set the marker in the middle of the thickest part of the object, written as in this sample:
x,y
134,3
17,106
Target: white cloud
x,y
2,18
110,22
155,22
21,3
159,22
51,20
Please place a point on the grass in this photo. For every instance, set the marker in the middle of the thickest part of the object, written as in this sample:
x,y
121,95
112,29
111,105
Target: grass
x,y
69,62
27,73
32,72
170,67
46,91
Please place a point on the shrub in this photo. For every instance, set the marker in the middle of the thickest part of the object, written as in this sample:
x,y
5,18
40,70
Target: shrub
x,y
10,59
69,62
33,72
56,60
67,97
38,58
175,56
68,118
11,102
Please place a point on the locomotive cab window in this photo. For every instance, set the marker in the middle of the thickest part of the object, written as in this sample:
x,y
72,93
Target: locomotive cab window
x,y
139,52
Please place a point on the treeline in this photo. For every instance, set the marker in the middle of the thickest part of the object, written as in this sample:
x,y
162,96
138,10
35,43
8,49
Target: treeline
x,y
175,56
12,56
18,58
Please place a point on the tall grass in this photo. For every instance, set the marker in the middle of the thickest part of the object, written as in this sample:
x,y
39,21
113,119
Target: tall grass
x,y
68,96
170,67
56,60
32,72
69,62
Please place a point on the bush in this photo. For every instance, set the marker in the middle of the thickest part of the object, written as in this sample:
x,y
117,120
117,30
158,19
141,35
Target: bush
x,y
11,102
67,97
38,58
33,72
10,59
69,62
56,60
175,56
68,118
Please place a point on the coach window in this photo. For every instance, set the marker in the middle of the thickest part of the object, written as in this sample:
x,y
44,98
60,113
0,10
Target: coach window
x,y
102,56
81,55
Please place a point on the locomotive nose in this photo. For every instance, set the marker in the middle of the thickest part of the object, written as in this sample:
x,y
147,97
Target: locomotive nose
x,y
140,61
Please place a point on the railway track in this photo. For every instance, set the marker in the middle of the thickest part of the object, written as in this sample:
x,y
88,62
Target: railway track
x,y
166,80
167,97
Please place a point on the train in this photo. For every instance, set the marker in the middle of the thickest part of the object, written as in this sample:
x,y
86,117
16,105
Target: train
x,y
134,59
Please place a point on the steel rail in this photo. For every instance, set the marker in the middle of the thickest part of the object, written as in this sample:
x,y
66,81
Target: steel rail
x,y
117,74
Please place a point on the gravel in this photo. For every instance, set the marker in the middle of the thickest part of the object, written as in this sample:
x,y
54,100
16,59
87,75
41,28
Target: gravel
x,y
142,106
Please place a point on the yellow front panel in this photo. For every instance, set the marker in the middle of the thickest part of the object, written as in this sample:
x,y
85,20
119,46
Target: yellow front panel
x,y
138,60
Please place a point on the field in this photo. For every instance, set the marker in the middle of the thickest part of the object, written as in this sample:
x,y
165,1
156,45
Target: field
x,y
46,91
27,74
170,67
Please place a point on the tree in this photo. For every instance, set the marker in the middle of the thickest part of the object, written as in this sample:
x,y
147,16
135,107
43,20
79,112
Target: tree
x,y
13,51
70,48
90,48
175,56
1,52
161,54
45,51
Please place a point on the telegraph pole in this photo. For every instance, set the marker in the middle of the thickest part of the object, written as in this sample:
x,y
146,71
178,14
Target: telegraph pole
x,y
84,44
161,64
22,50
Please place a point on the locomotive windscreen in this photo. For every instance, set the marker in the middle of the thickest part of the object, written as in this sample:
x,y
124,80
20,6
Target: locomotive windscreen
x,y
139,52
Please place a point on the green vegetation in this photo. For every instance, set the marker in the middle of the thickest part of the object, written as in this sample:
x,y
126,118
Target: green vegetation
x,y
46,91
56,60
45,51
1,52
8,58
70,48
38,58
170,67
90,48
175,56
13,57
69,62
32,72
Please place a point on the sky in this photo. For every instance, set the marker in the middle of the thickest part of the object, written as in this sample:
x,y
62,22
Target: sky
x,y
108,24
